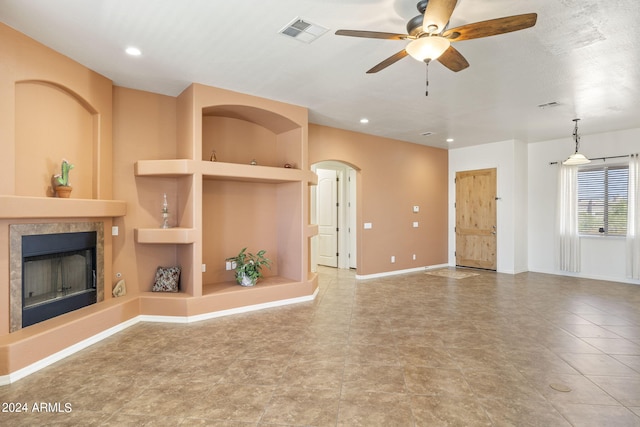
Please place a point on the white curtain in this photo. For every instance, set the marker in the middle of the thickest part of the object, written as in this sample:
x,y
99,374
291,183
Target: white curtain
x,y
569,255
633,219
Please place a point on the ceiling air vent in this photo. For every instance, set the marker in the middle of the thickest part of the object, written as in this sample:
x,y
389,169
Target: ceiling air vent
x,y
426,133
303,31
549,105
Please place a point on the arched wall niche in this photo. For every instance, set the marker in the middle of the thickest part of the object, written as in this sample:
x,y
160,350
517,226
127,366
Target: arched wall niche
x,y
54,123
241,134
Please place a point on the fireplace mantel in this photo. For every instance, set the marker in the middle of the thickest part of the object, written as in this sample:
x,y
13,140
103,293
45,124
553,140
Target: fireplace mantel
x,y
52,207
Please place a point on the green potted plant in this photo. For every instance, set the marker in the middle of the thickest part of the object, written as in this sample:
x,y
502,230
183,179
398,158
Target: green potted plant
x,y
249,266
62,187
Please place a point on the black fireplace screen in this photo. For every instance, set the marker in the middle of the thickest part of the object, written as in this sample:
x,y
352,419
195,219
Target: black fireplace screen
x,y
58,274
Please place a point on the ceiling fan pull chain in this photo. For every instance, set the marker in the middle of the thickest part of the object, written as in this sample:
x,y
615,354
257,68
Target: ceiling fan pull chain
x,y
426,93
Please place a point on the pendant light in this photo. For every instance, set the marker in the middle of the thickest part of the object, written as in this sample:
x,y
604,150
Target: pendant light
x,y
576,158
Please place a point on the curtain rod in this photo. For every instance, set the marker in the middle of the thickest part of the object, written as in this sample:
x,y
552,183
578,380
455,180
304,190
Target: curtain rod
x,y
603,158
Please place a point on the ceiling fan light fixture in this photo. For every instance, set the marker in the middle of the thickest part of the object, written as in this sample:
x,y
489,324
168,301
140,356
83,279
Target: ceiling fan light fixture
x,y
428,48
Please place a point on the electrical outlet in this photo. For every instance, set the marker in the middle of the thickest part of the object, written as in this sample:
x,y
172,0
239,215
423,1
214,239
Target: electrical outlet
x,y
227,265
115,230
416,209
204,268
393,259
414,257
415,224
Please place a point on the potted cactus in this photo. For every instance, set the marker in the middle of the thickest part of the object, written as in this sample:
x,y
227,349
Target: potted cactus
x,y
62,187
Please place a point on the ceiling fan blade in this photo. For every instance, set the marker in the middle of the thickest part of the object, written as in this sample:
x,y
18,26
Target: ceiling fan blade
x,y
491,27
372,34
390,60
453,60
438,13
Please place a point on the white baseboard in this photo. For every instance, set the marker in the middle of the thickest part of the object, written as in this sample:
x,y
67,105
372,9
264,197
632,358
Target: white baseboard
x,y
49,360
397,272
229,312
589,276
56,357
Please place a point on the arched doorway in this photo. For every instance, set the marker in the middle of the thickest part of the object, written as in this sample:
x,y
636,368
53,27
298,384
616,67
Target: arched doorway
x,y
333,209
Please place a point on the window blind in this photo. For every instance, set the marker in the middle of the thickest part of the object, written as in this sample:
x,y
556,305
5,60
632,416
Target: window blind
x,y
602,200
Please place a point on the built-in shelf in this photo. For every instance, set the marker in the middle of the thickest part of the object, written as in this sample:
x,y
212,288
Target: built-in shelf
x,y
222,171
232,286
165,168
53,207
250,173
174,235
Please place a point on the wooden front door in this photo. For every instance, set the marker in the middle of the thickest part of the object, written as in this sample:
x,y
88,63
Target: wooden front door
x,y
476,225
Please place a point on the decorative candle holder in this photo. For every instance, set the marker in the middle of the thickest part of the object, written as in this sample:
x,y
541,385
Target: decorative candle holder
x,y
165,212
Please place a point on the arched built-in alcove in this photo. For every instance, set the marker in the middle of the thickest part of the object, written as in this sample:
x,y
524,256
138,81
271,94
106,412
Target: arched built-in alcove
x,y
54,123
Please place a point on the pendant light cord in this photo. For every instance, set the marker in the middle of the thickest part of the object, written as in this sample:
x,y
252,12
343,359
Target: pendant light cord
x,y
576,137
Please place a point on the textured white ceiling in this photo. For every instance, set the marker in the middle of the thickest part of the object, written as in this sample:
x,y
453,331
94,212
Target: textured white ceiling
x,y
585,55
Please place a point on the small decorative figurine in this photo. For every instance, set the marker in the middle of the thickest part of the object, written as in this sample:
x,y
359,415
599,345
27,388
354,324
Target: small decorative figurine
x,y
165,212
213,156
253,162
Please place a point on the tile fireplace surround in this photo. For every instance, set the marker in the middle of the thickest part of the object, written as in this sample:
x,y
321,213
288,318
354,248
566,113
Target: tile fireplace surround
x,y
16,231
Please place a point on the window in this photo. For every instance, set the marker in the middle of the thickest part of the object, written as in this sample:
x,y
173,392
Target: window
x,y
602,200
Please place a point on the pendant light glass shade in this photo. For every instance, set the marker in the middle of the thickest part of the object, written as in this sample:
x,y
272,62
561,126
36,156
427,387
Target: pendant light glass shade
x,y
428,48
576,158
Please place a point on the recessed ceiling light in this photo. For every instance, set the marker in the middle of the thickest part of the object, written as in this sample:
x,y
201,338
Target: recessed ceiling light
x,y
133,51
449,139
364,121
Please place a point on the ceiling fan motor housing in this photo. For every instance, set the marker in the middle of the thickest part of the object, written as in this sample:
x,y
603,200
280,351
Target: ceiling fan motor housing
x,y
414,26
422,6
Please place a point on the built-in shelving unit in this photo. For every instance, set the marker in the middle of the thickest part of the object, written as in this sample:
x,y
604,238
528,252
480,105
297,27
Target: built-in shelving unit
x,y
230,203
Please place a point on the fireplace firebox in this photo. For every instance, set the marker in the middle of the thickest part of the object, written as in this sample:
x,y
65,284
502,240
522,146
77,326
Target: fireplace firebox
x,y
58,274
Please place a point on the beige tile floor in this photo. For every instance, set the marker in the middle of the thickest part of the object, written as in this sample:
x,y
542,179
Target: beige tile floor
x,y
410,350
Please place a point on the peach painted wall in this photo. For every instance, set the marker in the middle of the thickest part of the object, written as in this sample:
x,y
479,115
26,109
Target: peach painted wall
x,y
144,127
393,176
28,66
52,107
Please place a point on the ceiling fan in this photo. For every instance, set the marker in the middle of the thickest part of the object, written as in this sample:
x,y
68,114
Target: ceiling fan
x,y
430,39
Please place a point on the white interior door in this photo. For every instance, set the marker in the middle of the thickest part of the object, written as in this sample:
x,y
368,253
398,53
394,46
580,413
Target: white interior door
x,y
327,217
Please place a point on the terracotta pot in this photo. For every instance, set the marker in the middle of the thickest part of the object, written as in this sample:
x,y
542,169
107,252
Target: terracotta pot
x,y
63,191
